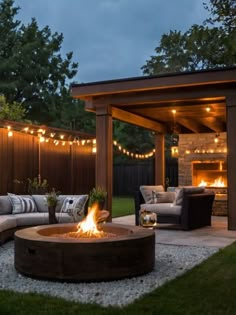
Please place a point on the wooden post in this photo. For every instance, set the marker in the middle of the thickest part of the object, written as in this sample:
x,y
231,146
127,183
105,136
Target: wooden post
x,y
231,160
104,156
160,160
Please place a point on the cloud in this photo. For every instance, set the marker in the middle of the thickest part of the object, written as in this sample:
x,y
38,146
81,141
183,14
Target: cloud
x,y
112,38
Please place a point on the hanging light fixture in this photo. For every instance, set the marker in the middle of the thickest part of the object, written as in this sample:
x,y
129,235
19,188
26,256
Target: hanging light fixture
x,y
174,138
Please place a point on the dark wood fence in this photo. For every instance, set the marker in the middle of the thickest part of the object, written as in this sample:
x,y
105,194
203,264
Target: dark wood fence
x,y
68,168
129,176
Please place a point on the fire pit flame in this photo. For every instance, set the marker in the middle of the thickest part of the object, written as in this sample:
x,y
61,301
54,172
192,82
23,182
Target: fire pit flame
x,y
88,227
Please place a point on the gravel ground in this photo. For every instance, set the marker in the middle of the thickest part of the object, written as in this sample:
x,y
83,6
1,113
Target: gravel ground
x,y
171,261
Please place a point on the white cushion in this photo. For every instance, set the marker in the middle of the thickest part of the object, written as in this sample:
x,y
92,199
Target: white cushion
x,y
22,204
162,208
74,206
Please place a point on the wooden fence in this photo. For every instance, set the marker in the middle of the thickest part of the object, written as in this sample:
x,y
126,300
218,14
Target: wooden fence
x,y
69,168
128,177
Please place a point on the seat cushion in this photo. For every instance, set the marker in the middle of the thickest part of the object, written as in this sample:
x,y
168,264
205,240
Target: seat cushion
x,y
7,222
162,208
28,219
147,192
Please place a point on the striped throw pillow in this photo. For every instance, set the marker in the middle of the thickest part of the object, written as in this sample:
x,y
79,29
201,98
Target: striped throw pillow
x,y
22,204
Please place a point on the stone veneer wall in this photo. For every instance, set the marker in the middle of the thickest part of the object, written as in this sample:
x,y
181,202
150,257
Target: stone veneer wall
x,y
196,144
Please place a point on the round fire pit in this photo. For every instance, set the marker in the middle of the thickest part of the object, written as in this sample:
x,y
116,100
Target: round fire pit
x,y
44,252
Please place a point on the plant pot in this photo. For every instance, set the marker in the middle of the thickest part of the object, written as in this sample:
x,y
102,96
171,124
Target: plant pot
x,y
101,204
52,215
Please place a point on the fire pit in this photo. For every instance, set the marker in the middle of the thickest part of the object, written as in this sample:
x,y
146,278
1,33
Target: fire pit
x,y
49,252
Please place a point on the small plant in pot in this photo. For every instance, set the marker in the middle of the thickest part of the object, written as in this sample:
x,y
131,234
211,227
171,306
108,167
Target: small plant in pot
x,y
97,195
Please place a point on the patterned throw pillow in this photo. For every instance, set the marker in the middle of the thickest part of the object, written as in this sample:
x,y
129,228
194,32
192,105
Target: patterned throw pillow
x,y
21,204
74,206
163,197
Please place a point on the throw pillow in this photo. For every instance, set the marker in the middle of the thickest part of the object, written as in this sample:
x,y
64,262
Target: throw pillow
x,y
74,206
147,192
163,197
21,204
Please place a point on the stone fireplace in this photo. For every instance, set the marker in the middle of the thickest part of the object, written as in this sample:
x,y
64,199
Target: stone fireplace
x,y
202,162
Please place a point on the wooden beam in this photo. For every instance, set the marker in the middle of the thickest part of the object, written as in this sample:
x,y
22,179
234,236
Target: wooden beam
x,y
213,123
191,124
231,161
137,120
104,157
160,160
166,81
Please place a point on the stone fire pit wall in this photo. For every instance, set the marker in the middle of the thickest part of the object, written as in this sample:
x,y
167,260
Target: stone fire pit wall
x,y
195,144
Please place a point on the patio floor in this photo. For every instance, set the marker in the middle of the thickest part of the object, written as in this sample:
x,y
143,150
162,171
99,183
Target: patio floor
x,y
216,235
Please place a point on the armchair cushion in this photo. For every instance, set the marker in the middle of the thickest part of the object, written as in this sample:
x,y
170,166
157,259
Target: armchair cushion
x,y
162,209
186,190
147,192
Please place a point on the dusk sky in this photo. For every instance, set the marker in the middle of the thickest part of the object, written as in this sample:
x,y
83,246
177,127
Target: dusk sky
x,y
111,39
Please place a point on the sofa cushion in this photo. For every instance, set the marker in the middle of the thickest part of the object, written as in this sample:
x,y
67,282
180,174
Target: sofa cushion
x,y
164,196
5,205
74,206
147,192
41,203
186,190
162,208
7,222
22,204
37,218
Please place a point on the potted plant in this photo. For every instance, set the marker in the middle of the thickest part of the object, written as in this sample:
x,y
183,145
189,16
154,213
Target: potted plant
x,y
97,195
52,200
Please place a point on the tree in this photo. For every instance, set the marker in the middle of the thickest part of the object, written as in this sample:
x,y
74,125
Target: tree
x,y
33,72
13,111
202,46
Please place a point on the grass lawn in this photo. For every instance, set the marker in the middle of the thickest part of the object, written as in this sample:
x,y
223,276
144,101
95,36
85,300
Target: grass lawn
x,y
207,289
122,206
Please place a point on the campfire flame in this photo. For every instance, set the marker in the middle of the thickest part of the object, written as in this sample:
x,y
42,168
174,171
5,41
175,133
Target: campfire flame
x,y
218,182
88,227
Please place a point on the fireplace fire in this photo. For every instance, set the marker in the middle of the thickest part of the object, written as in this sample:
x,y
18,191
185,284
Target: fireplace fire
x,y
209,174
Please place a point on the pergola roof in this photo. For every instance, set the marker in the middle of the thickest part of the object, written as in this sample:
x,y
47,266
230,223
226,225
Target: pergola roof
x,y
148,101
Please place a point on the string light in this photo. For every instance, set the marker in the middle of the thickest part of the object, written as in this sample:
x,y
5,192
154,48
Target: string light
x,y
59,139
131,154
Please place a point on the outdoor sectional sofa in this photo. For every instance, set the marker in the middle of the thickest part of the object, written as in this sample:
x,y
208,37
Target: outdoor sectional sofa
x,y
189,207
20,211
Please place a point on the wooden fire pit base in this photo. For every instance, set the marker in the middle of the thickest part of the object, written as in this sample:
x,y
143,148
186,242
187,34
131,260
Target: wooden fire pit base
x,y
130,253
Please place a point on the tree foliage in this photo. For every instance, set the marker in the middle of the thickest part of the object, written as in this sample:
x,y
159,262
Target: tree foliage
x,y
206,46
33,72
13,111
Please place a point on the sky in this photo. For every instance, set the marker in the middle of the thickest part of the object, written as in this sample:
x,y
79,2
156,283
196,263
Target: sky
x,y
111,39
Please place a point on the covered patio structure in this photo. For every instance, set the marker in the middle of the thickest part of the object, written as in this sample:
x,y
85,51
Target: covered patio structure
x,y
148,102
